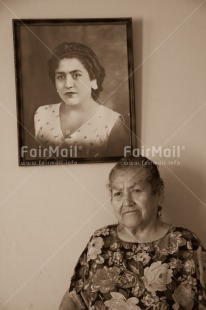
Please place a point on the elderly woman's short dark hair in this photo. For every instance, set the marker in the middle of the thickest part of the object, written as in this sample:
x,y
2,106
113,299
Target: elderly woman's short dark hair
x,y
147,167
85,55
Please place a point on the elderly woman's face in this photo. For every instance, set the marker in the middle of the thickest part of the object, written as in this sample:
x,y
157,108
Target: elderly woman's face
x,y
133,200
73,82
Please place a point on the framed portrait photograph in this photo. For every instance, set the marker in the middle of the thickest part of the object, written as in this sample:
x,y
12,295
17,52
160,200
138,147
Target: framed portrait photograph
x,y
75,90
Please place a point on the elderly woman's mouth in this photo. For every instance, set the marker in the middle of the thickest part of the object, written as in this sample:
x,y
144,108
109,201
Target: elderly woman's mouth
x,y
131,211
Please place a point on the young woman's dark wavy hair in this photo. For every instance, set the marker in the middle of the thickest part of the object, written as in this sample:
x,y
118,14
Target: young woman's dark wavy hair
x,y
85,55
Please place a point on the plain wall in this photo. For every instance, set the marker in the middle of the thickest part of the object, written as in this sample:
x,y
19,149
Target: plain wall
x,y
47,214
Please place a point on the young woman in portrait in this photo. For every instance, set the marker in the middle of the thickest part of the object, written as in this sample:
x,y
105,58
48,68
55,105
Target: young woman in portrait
x,y
78,119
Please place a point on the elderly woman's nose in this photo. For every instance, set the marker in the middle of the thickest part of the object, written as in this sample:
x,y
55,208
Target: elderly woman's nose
x,y
128,201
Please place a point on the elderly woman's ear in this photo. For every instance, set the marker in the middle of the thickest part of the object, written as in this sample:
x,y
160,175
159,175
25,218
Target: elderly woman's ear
x,y
108,186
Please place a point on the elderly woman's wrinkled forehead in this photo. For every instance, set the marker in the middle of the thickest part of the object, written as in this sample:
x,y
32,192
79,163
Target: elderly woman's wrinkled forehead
x,y
139,169
129,174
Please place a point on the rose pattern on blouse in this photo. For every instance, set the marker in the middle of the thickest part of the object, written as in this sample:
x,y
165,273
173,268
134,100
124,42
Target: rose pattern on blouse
x,y
142,257
184,297
157,276
161,275
119,302
94,248
104,280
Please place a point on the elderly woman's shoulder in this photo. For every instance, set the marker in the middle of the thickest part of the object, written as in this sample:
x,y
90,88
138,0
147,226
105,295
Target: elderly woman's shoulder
x,y
105,231
185,234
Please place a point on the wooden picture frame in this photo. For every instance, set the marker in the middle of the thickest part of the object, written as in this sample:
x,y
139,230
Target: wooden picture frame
x,y
38,40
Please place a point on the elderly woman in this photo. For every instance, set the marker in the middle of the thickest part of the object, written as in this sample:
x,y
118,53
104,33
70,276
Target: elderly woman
x,y
79,120
141,262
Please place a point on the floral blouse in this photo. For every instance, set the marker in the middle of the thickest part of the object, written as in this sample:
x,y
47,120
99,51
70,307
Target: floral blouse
x,y
165,274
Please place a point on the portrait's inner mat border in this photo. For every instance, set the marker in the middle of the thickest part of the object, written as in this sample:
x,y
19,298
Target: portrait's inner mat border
x,y
106,130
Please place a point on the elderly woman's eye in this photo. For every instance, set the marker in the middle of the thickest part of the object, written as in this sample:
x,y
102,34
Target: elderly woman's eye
x,y
136,190
117,194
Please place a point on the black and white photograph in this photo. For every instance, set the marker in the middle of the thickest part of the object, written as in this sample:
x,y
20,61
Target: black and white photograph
x,y
103,155
75,91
